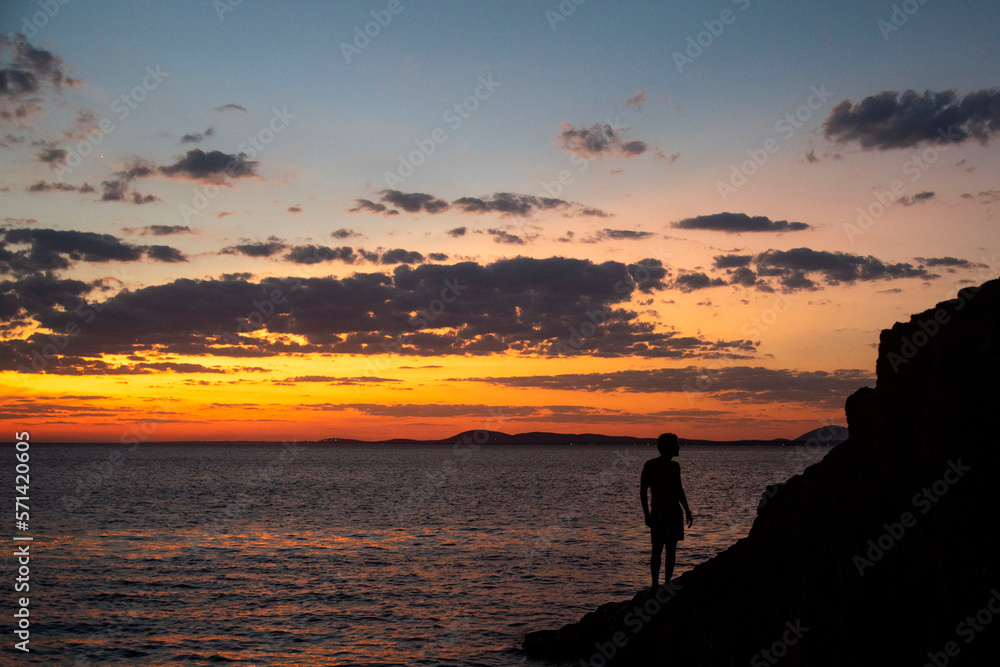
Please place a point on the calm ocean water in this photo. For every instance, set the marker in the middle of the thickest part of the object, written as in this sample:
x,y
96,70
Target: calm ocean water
x,y
348,555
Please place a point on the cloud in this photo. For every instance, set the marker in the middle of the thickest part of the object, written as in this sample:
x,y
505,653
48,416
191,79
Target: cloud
x,y
54,250
514,204
915,199
214,166
456,232
119,186
617,235
119,191
314,254
889,120
29,295
273,246
985,196
197,137
508,203
501,236
10,139
792,266
688,282
521,306
294,209
949,262
400,256
669,159
811,156
27,75
369,205
737,384
241,276
335,380
44,186
231,107
807,269
159,230
637,100
84,124
414,202
165,253
597,140
426,410
736,223
310,253
504,203
344,233
732,261
51,155
745,276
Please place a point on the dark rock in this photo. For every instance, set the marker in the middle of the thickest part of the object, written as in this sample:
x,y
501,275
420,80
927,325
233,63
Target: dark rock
x,y
878,554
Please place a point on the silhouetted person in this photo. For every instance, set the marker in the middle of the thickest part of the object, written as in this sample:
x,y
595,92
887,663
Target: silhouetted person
x,y
666,524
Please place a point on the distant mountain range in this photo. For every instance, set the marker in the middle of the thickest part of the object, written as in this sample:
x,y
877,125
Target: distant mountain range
x,y
826,435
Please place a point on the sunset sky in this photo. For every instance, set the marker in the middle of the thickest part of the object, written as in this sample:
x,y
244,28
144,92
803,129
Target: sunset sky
x,y
291,221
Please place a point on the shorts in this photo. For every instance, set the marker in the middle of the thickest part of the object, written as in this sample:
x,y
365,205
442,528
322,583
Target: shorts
x,y
667,526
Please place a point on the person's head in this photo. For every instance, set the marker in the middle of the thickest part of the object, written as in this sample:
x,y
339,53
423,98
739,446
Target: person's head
x,y
668,445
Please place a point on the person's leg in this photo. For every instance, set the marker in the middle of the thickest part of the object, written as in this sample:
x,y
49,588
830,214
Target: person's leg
x,y
654,561
671,559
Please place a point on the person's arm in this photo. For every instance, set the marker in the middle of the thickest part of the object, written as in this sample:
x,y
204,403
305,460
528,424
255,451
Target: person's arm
x,y
684,502
643,487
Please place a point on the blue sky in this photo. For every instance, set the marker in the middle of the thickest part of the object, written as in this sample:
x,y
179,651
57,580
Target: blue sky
x,y
608,74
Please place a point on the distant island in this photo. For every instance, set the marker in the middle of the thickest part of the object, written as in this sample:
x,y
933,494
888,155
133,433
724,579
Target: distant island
x,y
825,435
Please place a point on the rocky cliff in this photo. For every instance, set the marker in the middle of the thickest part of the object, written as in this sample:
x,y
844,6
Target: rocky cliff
x,y
883,553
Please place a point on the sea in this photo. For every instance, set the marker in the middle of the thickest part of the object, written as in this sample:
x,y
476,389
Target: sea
x,y
315,554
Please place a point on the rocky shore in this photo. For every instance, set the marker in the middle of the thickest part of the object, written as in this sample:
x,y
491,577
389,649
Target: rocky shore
x,y
883,553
